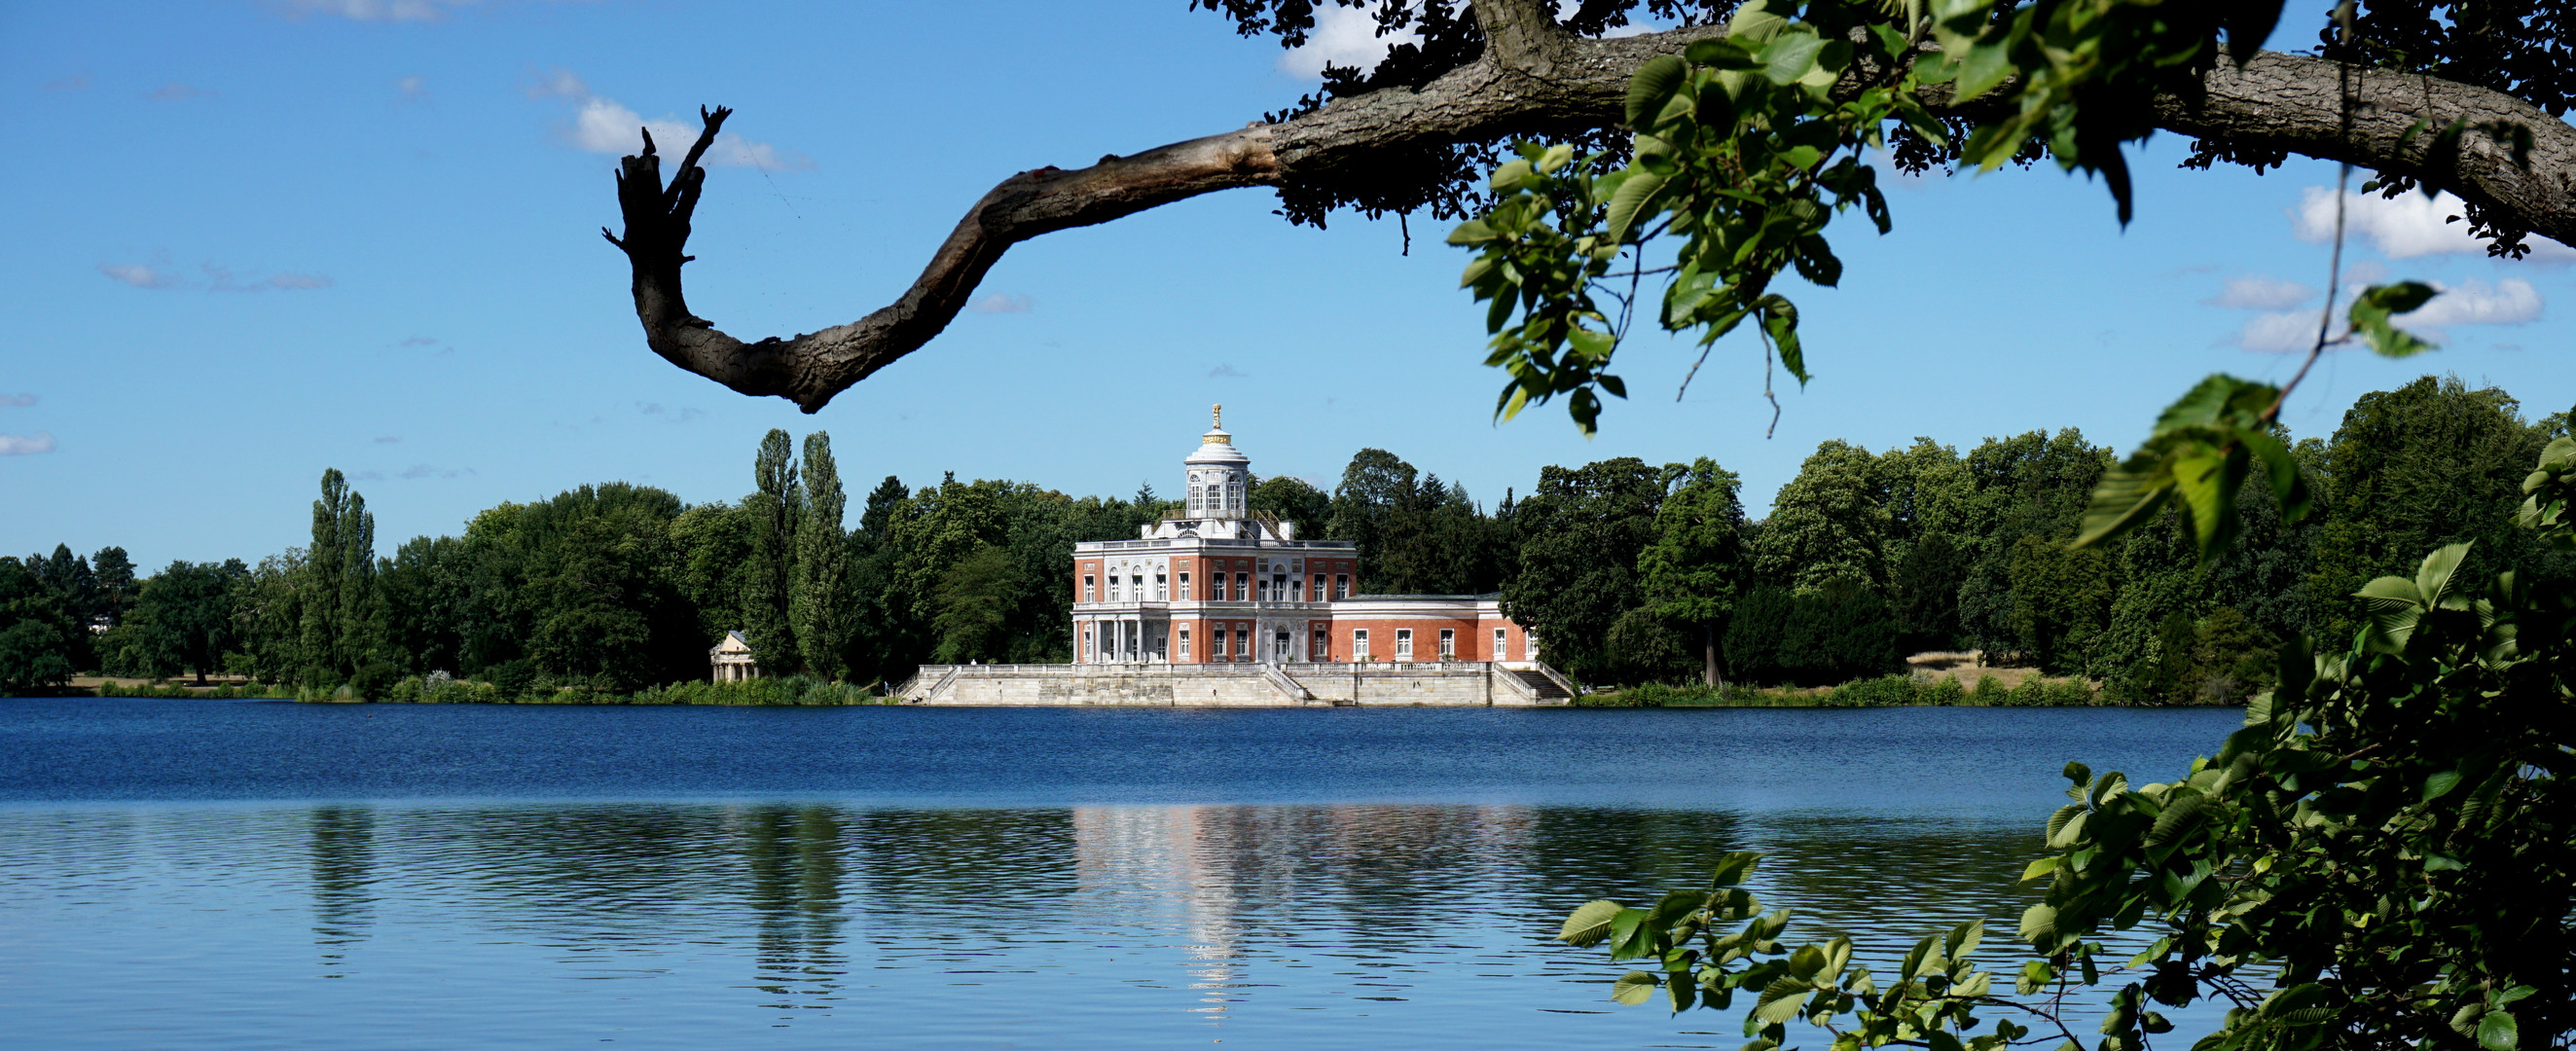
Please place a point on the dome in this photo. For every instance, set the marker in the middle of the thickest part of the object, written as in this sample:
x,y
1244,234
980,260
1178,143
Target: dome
x,y
1217,446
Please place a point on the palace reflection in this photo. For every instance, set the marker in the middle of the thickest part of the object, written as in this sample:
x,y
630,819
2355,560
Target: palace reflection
x,y
1220,901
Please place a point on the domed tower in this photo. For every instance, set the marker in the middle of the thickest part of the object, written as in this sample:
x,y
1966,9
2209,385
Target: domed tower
x,y
1220,475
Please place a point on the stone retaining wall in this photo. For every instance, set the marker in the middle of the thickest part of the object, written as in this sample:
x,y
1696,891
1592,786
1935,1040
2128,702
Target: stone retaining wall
x,y
1222,686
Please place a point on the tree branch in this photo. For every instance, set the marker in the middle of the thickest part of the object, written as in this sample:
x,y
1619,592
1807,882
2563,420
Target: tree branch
x,y
1534,79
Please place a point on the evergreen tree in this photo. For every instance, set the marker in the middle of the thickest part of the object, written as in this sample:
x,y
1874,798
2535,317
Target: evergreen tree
x,y
774,511
116,582
820,603
338,595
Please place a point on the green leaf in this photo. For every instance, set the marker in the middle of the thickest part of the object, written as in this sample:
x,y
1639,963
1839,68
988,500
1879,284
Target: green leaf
x,y
2441,784
1629,200
1782,1000
1736,867
1633,988
2177,816
1790,56
2039,925
2433,578
2496,1032
1755,23
1589,924
2370,312
1806,961
1654,84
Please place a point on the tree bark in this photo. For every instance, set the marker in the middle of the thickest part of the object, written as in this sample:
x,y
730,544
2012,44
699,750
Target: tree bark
x,y
1532,79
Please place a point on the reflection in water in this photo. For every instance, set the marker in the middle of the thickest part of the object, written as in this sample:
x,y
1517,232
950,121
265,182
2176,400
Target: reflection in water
x,y
343,864
1275,923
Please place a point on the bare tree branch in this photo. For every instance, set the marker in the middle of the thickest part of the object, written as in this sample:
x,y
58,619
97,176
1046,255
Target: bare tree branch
x,y
1533,79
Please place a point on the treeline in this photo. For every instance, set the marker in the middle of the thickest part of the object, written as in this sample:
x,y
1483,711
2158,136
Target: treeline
x,y
1628,572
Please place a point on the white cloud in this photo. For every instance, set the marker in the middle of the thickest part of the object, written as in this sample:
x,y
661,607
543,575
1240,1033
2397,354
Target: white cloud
x,y
390,439
2402,227
2261,292
999,303
29,445
1228,372
16,401
2511,301
139,276
1343,36
73,82
412,87
177,92
422,470
2279,332
601,125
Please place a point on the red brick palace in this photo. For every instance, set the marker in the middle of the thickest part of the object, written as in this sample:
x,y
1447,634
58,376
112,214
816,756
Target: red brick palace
x,y
1218,583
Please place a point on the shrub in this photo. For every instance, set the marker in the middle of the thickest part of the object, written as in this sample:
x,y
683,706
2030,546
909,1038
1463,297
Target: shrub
x,y
512,678
1885,691
1837,634
2032,691
373,681
2068,692
1990,690
1945,691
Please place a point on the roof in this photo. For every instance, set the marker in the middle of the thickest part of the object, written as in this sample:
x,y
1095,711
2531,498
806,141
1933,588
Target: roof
x,y
733,642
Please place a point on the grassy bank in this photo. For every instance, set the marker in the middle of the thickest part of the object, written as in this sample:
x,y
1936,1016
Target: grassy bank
x,y
794,690
1885,692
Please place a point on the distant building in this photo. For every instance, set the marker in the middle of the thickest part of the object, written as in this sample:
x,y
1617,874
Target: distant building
x,y
731,659
1218,583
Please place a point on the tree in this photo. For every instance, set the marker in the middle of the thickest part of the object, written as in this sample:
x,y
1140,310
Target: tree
x,y
1693,569
1419,129
338,600
975,598
819,604
116,582
1829,523
1293,501
1582,531
2428,464
774,510
184,616
37,637
1374,482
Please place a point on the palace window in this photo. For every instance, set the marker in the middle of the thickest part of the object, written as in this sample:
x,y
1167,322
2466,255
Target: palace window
x,y
1501,646
1404,644
1243,641
1159,590
1448,644
1113,587
1216,587
1185,643
1359,644
1185,585
1322,647
1234,496
1090,650
1243,587
1318,591
1216,642
1341,585
1090,588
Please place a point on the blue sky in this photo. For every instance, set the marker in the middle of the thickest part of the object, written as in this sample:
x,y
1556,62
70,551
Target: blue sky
x,y
248,240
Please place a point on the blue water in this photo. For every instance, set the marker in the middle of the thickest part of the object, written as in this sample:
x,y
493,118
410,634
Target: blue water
x,y
194,874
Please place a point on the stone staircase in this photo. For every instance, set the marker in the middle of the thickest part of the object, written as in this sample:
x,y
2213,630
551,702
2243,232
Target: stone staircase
x,y
1542,685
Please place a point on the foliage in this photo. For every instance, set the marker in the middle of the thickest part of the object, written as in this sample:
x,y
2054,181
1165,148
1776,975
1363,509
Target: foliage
x,y
2385,845
1291,500
38,641
819,605
1582,531
774,511
184,618
1695,566
1835,633
1416,535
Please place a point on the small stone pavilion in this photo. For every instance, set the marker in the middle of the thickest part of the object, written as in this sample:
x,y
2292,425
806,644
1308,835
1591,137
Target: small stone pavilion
x,y
731,661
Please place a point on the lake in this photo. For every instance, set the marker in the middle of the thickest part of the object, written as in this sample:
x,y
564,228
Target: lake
x,y
194,874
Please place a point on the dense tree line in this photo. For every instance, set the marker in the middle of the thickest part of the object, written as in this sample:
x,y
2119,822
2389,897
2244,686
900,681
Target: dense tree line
x,y
1626,571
